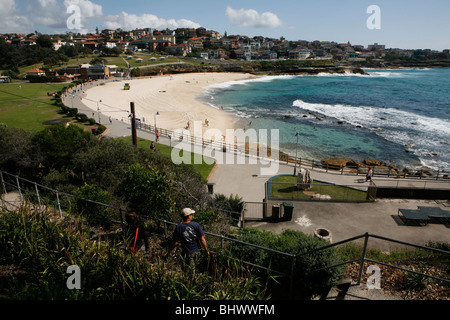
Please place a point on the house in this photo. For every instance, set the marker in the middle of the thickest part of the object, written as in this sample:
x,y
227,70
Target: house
x,y
182,49
196,43
94,72
300,54
36,72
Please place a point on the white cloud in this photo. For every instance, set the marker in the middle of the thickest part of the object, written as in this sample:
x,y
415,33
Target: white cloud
x,y
252,18
88,8
11,20
128,21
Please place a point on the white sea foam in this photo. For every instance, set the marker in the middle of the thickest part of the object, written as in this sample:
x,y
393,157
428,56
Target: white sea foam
x,y
227,85
371,117
422,133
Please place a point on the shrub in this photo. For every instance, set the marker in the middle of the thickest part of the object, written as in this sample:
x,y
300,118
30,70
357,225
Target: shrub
x,y
43,250
72,112
233,203
82,117
148,191
95,214
100,129
307,281
91,121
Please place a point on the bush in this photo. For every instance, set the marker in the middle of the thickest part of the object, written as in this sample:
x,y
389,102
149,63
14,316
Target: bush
x,y
43,250
95,214
100,129
72,112
82,117
91,121
307,281
148,191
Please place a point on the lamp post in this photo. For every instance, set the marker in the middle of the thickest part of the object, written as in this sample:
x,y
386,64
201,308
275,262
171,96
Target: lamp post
x,y
133,124
296,149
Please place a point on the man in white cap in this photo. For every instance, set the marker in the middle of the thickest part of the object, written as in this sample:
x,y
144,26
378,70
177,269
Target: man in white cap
x,y
190,234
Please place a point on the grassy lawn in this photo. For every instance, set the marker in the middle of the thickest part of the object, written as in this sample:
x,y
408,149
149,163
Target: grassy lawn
x,y
27,105
204,169
284,187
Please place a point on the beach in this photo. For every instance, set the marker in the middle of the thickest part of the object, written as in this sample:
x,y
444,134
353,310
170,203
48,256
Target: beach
x,y
170,100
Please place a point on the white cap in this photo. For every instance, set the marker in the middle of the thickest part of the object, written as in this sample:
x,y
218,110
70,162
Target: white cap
x,y
187,212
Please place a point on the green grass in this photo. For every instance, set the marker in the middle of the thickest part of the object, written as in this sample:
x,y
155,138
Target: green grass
x,y
204,169
284,187
27,105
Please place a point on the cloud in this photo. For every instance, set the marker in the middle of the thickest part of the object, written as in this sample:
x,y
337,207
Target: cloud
x,y
11,19
128,21
88,8
252,18
53,13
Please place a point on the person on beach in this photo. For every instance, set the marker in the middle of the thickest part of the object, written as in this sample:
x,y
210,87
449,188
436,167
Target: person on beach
x,y
206,122
190,235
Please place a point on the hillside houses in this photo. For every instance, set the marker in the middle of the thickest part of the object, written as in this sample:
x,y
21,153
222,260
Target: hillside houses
x,y
210,44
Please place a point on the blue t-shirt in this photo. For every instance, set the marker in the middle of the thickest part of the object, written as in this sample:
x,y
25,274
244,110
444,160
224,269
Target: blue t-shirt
x,y
188,234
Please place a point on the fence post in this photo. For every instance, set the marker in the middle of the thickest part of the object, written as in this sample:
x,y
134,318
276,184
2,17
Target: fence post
x,y
3,182
363,257
221,241
59,204
165,230
291,286
37,195
18,187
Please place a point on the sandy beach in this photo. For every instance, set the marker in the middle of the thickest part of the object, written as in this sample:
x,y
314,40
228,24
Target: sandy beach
x,y
172,96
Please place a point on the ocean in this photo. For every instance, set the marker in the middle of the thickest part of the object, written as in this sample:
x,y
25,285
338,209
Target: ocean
x,y
399,116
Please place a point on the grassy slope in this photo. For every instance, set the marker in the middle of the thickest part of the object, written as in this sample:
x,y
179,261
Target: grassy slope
x,y
284,187
204,169
27,105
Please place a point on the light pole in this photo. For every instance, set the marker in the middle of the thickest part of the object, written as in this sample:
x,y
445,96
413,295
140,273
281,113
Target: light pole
x,y
296,149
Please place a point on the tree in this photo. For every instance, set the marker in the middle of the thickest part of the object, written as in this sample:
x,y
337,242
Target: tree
x,y
44,41
17,152
59,143
147,190
95,214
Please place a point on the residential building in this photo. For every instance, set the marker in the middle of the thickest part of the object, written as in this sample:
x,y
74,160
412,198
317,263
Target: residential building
x,y
196,43
180,50
36,72
300,54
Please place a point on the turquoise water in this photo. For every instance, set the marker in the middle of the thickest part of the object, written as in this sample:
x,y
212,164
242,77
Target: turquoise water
x,y
399,116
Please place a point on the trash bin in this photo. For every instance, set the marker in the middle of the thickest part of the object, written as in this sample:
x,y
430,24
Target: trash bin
x,y
288,210
275,212
210,188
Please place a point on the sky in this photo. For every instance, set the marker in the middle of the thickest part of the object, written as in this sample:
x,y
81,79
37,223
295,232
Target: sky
x,y
406,24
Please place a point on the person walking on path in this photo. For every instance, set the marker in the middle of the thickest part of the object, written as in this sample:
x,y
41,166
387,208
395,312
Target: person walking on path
x,y
190,235
369,174
136,233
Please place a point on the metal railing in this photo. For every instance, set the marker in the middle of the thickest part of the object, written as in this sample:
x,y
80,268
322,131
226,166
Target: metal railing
x,y
248,149
43,196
